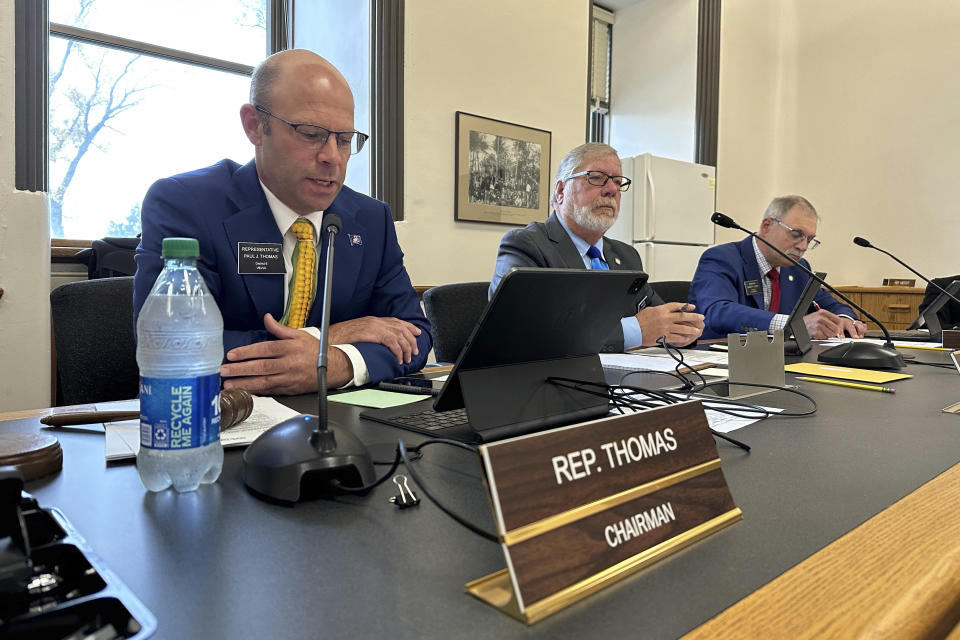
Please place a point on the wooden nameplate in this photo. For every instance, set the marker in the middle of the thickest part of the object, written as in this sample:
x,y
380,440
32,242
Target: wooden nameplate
x,y
580,507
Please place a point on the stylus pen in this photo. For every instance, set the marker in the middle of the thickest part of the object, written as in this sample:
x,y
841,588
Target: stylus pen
x,y
852,385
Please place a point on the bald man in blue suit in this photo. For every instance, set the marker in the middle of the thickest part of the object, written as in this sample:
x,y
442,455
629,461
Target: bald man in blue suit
x,y
378,329
733,284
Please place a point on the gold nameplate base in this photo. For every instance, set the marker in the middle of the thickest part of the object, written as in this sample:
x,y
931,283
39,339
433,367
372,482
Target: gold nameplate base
x,y
496,589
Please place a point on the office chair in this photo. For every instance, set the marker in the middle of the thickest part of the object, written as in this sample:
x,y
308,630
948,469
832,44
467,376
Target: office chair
x,y
672,290
110,257
453,311
93,335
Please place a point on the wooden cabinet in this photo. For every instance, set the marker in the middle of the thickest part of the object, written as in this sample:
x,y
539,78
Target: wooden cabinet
x,y
896,307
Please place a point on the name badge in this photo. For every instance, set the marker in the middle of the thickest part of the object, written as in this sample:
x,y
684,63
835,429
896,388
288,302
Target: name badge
x,y
752,287
260,258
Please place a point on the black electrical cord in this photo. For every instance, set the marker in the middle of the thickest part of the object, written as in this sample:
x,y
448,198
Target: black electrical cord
x,y
402,451
404,455
939,365
620,400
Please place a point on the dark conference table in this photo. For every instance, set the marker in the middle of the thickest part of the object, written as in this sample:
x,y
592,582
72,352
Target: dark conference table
x,y
219,563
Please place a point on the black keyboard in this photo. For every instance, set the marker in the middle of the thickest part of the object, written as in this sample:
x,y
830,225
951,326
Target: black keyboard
x,y
431,420
915,335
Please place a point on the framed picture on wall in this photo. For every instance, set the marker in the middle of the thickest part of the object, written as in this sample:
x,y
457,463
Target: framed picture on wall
x,y
503,171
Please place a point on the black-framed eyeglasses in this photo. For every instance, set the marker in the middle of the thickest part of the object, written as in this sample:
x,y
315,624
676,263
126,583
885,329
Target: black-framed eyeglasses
x,y
348,142
797,235
599,178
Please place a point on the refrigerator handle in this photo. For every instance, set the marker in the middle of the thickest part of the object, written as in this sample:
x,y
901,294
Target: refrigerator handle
x,y
650,226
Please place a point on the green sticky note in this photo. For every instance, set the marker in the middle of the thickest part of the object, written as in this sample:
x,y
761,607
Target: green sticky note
x,y
376,398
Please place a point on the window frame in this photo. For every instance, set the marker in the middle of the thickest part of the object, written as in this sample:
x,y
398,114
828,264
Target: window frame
x,y
33,30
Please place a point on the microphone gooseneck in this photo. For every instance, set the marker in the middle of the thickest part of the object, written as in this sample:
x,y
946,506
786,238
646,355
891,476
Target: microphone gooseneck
x,y
849,354
331,222
863,242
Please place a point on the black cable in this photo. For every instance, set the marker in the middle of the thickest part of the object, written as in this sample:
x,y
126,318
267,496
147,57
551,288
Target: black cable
x,y
393,467
939,365
403,456
658,399
402,451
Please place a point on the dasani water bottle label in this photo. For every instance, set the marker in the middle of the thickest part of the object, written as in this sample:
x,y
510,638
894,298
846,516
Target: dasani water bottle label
x,y
179,413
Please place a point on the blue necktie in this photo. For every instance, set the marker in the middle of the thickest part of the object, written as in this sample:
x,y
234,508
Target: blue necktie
x,y
596,262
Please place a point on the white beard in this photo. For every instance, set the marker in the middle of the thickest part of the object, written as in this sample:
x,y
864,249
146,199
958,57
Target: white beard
x,y
586,218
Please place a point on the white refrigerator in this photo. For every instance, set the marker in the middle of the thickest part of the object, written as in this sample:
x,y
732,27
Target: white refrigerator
x,y
666,213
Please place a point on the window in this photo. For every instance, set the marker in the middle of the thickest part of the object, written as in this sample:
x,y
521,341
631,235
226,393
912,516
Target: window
x,y
125,109
601,37
350,53
138,91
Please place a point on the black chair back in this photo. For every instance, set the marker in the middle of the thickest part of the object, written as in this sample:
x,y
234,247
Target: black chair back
x,y
672,290
453,311
94,338
110,257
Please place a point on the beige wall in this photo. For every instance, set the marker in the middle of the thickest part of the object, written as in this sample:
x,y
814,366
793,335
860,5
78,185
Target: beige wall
x,y
521,62
24,262
853,104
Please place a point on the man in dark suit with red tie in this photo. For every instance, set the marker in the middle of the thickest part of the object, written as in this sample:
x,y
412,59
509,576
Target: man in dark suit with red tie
x,y
747,286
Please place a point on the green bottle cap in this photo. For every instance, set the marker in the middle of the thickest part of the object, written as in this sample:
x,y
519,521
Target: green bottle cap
x,y
181,248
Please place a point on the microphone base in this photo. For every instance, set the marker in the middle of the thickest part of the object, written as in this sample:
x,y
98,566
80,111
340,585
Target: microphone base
x,y
863,355
293,456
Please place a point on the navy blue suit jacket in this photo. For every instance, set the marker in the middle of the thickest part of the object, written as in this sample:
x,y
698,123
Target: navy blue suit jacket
x,y
224,204
719,291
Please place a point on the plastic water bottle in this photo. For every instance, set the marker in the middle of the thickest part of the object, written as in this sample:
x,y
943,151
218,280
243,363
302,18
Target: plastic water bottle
x,y
179,350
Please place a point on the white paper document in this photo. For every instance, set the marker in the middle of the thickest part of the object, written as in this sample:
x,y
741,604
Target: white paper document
x,y
725,423
123,438
697,355
653,362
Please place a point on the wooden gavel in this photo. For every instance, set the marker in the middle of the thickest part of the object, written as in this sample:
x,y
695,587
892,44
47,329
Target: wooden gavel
x,y
236,405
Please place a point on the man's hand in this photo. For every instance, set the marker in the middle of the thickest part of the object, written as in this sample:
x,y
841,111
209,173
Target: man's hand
x,y
672,320
397,335
853,328
823,325
286,366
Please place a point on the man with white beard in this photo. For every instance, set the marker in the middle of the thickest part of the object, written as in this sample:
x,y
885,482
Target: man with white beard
x,y
586,201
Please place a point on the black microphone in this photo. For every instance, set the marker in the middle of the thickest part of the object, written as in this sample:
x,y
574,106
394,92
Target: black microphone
x,y
852,354
332,224
863,242
305,446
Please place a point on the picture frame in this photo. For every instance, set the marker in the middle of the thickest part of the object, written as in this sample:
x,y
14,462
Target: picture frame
x,y
502,171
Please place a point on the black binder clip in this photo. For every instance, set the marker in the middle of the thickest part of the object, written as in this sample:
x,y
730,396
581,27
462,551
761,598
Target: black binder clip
x,y
407,498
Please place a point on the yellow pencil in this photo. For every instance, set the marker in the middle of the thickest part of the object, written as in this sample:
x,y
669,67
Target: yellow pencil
x,y
910,346
852,385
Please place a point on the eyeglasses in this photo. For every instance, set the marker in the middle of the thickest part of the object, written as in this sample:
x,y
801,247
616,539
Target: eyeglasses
x,y
348,142
599,178
797,235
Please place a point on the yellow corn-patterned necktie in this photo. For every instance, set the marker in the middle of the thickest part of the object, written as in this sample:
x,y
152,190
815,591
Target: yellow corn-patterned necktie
x,y
303,284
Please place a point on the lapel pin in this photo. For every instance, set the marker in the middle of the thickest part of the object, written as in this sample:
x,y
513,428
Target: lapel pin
x,y
355,240
790,278
617,260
